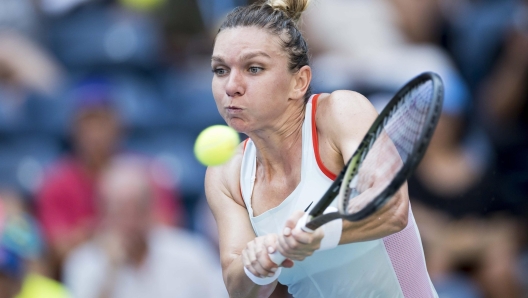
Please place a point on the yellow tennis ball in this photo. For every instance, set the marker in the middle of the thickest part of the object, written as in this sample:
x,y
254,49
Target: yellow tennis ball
x,y
216,144
39,286
142,5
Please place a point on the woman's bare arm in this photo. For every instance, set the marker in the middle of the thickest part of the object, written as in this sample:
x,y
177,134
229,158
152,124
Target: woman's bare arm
x,y
343,118
235,231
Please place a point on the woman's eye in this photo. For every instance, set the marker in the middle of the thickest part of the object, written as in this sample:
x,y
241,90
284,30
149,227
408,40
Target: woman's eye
x,y
219,71
255,69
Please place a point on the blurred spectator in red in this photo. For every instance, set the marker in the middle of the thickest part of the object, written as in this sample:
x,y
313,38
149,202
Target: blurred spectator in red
x,y
133,256
66,204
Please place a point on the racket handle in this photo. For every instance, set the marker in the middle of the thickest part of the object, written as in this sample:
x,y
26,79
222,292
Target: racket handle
x,y
276,257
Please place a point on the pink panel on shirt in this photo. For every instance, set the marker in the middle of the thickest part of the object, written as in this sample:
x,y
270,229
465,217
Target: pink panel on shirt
x,y
405,252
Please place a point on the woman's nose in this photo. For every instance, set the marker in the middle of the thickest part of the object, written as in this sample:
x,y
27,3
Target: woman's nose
x,y
235,84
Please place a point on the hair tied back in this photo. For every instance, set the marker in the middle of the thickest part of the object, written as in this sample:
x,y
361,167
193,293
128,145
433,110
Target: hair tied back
x,y
292,8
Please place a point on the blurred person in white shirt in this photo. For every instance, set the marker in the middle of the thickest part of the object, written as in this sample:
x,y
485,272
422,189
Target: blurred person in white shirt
x,y
130,256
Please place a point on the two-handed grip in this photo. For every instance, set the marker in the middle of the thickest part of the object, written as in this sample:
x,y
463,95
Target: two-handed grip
x,y
276,257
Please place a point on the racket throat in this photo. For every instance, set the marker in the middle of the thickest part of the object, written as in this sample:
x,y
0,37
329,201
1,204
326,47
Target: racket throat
x,y
349,193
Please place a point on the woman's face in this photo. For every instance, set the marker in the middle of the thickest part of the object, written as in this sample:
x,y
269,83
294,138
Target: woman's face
x,y
252,84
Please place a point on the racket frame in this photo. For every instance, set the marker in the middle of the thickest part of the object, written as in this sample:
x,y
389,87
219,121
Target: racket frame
x,y
316,218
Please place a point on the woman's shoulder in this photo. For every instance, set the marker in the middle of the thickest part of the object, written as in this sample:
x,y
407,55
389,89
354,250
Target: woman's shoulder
x,y
343,105
225,178
342,119
343,99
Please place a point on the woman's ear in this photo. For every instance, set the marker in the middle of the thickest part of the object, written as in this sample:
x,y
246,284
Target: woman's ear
x,y
301,82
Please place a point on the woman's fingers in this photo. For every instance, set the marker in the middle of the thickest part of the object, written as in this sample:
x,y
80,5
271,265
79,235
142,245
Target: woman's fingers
x,y
291,222
255,257
292,249
295,243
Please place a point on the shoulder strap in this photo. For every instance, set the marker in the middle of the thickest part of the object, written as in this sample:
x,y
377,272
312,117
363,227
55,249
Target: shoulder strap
x,y
315,141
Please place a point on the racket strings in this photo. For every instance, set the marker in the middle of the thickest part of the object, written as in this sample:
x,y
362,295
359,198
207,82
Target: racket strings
x,y
405,127
388,148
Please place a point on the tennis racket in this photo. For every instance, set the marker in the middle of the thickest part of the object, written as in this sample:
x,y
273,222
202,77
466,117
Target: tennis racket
x,y
385,158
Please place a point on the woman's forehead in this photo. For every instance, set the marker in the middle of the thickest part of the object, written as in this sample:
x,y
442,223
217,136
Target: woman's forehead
x,y
239,41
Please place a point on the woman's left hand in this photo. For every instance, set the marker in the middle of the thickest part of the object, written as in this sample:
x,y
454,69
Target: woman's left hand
x,y
296,244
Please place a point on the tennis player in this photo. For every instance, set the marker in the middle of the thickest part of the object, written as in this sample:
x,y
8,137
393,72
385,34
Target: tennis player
x,y
297,144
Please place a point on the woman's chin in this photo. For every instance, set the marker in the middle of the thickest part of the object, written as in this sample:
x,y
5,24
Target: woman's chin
x,y
238,125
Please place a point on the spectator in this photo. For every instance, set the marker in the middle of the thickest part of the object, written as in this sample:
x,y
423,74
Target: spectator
x,y
66,203
504,111
382,45
132,256
473,31
27,66
468,225
376,57
28,75
29,80
20,254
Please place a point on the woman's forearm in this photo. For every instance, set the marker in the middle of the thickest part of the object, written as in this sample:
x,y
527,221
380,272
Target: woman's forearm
x,y
390,219
240,286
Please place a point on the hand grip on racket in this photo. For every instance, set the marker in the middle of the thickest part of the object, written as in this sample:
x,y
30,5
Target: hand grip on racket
x,y
388,154
276,257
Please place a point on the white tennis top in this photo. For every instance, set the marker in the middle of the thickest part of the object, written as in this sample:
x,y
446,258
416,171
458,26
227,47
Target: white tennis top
x,y
393,266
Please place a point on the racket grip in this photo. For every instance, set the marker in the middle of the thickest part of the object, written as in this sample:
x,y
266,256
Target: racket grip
x,y
276,257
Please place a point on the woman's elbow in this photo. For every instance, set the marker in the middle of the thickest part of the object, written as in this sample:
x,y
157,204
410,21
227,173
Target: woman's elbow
x,y
400,217
400,222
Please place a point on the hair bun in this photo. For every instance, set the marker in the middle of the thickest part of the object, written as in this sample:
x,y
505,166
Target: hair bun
x,y
293,8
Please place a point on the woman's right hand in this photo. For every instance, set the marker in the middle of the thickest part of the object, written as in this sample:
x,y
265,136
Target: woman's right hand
x,y
255,256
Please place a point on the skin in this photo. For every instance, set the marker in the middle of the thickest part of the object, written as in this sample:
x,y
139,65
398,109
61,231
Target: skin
x,y
257,95
96,134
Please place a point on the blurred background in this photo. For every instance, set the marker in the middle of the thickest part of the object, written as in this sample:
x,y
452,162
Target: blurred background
x,y
101,101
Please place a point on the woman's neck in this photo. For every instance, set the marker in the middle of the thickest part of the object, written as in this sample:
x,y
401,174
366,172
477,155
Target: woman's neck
x,y
279,147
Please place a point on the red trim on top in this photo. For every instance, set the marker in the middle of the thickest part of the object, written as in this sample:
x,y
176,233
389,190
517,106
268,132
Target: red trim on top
x,y
240,186
315,141
245,144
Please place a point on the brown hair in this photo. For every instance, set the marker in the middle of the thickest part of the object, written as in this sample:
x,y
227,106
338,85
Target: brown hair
x,y
278,17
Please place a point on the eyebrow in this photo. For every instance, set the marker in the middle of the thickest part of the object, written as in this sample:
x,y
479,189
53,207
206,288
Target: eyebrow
x,y
246,56
217,59
253,55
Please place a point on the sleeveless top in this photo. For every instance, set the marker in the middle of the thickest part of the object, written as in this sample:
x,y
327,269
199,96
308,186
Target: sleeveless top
x,y
393,266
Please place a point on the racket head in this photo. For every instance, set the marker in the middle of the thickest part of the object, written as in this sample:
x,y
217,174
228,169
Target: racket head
x,y
406,124
317,217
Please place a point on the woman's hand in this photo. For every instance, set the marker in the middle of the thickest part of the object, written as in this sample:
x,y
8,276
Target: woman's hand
x,y
296,244
255,256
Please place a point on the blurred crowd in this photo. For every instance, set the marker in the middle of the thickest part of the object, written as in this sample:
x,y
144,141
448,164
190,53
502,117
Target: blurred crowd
x,y
101,100
470,193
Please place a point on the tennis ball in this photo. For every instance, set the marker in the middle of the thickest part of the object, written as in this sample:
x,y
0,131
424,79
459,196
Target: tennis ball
x,y
216,144
142,5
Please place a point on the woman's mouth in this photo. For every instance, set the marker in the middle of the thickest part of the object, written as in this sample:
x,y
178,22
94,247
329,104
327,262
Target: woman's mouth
x,y
233,109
